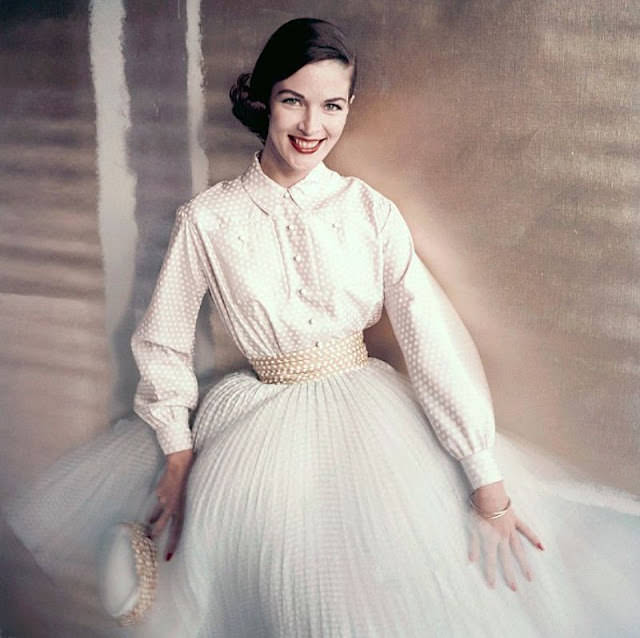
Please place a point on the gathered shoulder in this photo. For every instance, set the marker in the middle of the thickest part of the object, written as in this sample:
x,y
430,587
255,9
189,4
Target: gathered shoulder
x,y
212,205
376,203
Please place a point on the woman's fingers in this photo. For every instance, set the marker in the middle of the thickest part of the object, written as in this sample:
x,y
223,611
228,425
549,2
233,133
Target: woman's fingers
x,y
484,537
155,515
501,538
170,491
174,534
529,533
474,548
507,563
490,551
161,514
159,525
518,550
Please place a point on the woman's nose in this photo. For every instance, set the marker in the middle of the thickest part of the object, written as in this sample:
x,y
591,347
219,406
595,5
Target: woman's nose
x,y
310,122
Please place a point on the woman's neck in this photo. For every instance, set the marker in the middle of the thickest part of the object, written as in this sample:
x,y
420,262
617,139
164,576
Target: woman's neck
x,y
279,171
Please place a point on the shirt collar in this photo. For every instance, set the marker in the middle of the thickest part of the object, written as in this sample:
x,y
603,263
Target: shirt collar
x,y
269,195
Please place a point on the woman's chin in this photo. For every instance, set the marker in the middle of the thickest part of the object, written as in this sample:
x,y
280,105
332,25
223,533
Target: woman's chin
x,y
308,161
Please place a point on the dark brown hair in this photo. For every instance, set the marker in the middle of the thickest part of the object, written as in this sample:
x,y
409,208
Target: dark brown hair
x,y
292,46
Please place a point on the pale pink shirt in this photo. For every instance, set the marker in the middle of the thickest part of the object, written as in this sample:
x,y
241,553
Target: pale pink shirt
x,y
289,268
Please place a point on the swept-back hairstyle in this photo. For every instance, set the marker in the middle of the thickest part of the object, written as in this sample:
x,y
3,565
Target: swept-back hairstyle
x,y
292,46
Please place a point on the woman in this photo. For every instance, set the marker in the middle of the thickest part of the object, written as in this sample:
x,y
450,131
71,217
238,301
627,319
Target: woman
x,y
313,496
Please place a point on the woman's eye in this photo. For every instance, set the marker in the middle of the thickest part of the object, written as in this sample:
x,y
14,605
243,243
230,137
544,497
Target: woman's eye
x,y
291,100
331,106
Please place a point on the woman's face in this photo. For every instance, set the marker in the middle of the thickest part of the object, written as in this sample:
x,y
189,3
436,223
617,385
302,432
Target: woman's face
x,y
308,112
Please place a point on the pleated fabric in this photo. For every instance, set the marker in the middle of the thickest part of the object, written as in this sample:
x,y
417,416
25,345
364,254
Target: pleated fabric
x,y
328,508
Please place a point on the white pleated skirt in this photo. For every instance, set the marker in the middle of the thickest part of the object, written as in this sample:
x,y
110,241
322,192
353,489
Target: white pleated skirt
x,y
328,509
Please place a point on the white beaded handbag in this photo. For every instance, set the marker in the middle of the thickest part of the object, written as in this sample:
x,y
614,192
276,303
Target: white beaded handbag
x,y
128,568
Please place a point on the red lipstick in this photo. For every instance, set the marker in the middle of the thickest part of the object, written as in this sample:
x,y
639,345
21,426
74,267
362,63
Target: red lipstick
x,y
305,146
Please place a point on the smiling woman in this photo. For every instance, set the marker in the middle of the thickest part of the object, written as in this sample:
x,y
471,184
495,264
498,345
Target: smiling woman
x,y
307,114
322,493
290,48
304,127
297,97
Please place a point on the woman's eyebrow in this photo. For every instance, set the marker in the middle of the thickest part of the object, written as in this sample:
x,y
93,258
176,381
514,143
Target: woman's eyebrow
x,y
332,99
290,91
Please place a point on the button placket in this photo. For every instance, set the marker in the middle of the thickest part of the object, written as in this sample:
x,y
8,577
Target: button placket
x,y
295,234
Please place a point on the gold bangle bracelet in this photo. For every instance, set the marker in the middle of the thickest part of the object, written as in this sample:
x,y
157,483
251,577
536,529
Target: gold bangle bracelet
x,y
491,515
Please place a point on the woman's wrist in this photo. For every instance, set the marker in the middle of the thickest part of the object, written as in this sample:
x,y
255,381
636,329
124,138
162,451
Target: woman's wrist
x,y
181,459
491,497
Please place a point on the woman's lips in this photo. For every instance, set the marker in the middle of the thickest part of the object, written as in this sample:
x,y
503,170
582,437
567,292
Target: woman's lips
x,y
305,146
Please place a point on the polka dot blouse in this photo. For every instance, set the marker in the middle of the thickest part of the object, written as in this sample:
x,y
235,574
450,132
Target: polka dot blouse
x,y
291,267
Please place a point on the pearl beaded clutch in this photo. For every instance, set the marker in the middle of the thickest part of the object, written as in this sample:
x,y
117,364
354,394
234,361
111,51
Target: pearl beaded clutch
x,y
127,572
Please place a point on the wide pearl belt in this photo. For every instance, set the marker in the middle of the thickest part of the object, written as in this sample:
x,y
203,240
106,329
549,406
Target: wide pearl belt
x,y
321,360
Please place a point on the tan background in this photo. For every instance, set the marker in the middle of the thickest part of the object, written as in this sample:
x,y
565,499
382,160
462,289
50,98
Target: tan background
x,y
507,132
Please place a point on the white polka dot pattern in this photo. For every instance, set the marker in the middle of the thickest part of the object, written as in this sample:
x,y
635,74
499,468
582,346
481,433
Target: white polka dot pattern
x,y
163,342
442,360
289,268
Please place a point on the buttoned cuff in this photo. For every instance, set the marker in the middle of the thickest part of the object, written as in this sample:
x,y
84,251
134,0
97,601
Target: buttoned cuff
x,y
174,439
481,468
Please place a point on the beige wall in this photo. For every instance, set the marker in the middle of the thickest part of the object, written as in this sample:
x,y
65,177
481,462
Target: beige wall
x,y
508,133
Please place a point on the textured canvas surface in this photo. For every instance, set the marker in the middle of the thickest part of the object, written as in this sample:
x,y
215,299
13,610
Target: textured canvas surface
x,y
507,134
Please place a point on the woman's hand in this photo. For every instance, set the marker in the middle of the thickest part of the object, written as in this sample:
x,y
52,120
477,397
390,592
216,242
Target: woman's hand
x,y
171,491
499,535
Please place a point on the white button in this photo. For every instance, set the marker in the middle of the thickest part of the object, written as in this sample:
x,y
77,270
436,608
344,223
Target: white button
x,y
301,291
317,344
240,237
310,320
296,258
335,225
289,226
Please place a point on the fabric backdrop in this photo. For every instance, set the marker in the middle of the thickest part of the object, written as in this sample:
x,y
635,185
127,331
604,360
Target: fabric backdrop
x,y
507,132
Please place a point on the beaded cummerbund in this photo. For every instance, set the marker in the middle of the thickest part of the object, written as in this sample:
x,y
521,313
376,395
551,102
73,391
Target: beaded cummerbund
x,y
321,360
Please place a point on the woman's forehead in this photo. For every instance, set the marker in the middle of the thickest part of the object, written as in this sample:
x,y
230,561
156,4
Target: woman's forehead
x,y
317,79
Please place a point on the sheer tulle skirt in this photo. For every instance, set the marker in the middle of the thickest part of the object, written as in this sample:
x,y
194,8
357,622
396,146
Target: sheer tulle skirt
x,y
329,509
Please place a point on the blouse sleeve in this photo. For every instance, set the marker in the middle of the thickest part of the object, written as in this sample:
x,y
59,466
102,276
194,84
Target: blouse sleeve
x,y
442,361
163,342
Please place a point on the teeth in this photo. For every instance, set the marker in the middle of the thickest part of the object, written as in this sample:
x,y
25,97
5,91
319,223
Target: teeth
x,y
306,143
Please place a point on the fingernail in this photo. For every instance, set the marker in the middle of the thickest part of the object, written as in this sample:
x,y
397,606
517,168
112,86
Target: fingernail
x,y
169,555
539,545
529,577
513,586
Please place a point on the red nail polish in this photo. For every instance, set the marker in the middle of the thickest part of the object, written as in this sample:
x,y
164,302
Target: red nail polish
x,y
540,545
169,555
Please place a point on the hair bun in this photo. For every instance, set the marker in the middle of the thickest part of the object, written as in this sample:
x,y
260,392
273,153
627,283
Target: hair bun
x,y
240,90
252,113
